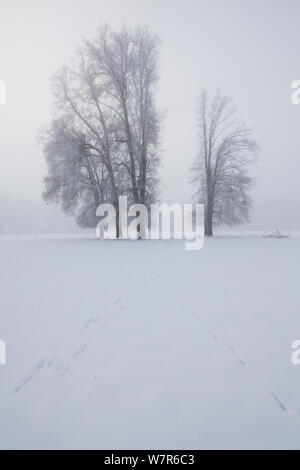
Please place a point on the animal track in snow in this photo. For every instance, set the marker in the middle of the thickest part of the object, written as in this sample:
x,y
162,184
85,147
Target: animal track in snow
x,y
79,351
42,364
279,402
229,346
115,313
63,368
89,322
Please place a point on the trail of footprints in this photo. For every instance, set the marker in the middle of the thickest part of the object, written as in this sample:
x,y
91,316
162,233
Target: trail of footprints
x,y
61,367
228,346
118,307
278,400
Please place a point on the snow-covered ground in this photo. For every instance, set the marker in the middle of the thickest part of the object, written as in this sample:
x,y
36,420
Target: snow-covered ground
x,y
124,344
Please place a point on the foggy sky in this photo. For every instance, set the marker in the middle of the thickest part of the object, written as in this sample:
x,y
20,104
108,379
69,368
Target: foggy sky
x,y
248,49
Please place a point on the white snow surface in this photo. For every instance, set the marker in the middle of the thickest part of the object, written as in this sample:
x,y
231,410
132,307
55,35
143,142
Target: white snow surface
x,y
141,344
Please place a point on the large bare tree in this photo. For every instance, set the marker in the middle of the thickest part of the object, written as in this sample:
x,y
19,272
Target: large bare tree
x,y
221,170
104,140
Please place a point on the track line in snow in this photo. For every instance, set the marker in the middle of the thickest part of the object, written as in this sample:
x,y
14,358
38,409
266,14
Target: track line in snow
x,y
279,402
228,346
118,307
37,368
79,351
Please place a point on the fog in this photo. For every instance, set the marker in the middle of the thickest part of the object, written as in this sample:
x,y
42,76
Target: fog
x,y
248,49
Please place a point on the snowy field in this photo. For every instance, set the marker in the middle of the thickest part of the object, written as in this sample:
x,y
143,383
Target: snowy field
x,y
127,345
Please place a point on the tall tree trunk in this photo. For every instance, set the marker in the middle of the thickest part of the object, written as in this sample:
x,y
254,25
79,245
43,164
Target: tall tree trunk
x,y
209,224
209,217
117,222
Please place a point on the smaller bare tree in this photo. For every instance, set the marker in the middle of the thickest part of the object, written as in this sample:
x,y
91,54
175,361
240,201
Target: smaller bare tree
x,y
221,170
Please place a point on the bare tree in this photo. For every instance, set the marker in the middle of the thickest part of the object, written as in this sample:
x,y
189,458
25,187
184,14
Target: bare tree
x,y
221,169
104,141
129,63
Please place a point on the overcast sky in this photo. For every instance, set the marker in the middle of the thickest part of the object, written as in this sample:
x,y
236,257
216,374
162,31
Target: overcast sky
x,y
247,48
